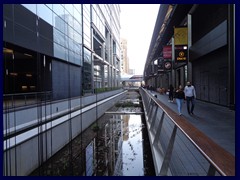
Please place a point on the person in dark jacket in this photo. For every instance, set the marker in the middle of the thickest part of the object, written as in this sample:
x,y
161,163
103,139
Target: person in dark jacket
x,y
170,96
180,98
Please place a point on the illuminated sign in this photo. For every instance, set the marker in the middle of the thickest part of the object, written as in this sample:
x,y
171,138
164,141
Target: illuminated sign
x,y
167,52
180,36
180,54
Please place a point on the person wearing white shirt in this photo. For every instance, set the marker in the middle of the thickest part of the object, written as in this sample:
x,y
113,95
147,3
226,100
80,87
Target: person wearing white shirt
x,y
190,95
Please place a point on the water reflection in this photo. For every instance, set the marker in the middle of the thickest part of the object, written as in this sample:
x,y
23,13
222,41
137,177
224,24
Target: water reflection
x,y
116,149
132,148
119,151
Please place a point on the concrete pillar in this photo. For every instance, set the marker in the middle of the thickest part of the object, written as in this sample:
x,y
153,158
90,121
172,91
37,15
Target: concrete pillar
x,y
189,64
109,76
102,76
108,47
173,74
231,56
103,50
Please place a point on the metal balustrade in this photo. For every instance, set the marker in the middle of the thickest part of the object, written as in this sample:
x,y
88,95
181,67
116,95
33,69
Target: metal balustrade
x,y
24,99
179,148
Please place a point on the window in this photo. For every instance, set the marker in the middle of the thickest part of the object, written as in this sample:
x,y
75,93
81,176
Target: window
x,y
45,13
87,71
31,7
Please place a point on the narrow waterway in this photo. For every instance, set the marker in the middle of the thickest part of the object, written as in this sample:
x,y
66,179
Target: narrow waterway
x,y
132,147
116,145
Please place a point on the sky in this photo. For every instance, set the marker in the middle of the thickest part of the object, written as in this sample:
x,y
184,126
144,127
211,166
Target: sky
x,y
137,25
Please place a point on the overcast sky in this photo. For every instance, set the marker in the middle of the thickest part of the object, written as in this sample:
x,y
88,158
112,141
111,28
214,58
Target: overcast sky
x,y
137,24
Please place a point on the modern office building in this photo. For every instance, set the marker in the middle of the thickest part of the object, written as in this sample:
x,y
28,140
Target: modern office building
x,y
194,42
56,60
67,50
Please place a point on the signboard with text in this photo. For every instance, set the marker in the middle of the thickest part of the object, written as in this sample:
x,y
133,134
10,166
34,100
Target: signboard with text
x,y
180,36
181,53
181,44
167,52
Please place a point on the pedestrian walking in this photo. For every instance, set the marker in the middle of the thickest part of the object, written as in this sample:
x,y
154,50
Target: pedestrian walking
x,y
170,95
180,98
190,96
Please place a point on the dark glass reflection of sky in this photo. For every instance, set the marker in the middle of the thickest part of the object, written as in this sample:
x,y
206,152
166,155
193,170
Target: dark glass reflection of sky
x,y
132,148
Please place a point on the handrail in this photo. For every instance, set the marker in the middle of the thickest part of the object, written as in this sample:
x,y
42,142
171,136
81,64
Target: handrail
x,y
23,99
220,160
23,94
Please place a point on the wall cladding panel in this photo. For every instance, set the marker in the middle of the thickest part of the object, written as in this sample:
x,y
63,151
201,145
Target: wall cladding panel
x,y
67,83
217,79
25,37
24,17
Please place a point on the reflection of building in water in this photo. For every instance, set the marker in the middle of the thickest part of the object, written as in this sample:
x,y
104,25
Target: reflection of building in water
x,y
89,159
125,127
125,136
108,147
115,154
108,157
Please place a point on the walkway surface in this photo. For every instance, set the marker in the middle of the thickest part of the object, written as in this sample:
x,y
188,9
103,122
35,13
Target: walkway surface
x,y
217,122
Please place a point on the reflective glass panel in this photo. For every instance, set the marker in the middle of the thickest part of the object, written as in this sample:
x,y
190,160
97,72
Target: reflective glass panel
x,y
45,13
59,51
31,7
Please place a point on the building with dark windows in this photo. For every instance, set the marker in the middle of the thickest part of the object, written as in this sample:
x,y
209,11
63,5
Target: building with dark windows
x,y
61,72
194,42
67,50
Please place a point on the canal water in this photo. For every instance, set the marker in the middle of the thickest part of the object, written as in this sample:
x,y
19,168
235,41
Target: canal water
x,y
132,148
116,145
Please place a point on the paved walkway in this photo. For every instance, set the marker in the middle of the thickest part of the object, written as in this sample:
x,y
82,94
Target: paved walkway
x,y
215,121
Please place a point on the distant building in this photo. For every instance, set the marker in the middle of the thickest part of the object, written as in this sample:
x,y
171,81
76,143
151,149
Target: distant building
x,y
132,71
124,57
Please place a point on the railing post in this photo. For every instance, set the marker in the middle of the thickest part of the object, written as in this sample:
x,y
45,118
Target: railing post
x,y
148,104
159,128
168,154
153,119
12,100
150,109
211,170
25,98
36,96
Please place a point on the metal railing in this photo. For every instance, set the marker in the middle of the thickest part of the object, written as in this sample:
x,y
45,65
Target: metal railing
x,y
24,99
179,148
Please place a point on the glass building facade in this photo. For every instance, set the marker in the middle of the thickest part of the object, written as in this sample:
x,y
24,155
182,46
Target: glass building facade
x,y
66,50
56,60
